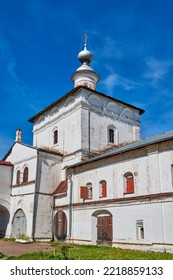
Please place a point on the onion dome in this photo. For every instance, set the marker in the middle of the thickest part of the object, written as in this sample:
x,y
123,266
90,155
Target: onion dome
x,y
85,75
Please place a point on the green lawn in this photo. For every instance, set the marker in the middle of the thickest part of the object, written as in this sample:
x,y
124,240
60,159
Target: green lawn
x,y
87,252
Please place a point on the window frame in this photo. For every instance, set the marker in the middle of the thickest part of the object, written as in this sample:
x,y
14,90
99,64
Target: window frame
x,y
102,188
55,136
18,174
111,135
140,234
25,174
129,184
86,191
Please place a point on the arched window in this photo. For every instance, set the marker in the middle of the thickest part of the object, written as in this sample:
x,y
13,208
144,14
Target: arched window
x,y
18,177
112,135
55,136
103,188
86,191
25,175
90,190
128,183
140,229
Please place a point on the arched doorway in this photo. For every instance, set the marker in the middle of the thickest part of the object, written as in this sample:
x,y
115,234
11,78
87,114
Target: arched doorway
x,y
4,219
103,227
60,226
19,224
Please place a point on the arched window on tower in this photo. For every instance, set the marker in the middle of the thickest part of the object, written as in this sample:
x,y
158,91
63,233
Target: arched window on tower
x,y
55,136
128,183
18,177
112,135
25,175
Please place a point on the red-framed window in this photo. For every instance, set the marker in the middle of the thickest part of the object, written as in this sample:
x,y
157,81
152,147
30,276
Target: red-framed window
x,y
103,188
86,191
129,183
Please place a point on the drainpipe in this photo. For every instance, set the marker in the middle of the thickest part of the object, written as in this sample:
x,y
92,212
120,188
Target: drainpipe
x,y
89,127
53,230
70,204
162,216
35,201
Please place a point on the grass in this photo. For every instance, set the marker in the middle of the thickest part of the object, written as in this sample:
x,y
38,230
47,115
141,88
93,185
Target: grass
x,y
89,252
1,256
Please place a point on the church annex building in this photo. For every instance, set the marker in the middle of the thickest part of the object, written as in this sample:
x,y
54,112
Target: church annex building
x,y
89,178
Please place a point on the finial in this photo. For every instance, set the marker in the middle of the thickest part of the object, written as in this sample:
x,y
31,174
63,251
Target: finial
x,y
85,75
85,56
85,39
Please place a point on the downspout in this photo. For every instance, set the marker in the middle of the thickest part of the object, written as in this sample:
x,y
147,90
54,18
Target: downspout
x,y
162,216
53,230
89,133
35,194
70,204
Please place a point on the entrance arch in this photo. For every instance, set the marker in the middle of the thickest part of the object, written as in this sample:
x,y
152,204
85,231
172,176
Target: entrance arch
x,y
4,219
102,226
60,225
19,224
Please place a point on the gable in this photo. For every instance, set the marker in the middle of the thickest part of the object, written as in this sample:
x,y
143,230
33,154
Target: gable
x,y
20,152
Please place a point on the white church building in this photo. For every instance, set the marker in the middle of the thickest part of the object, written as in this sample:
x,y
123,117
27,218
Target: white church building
x,y
89,178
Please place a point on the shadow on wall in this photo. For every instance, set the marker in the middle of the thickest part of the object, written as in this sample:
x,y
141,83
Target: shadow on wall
x,y
4,219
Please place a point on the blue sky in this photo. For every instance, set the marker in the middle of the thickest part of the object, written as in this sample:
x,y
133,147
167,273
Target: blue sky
x,y
132,44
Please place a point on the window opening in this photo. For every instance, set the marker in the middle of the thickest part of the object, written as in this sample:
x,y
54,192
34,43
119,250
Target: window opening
x,y
103,188
111,135
129,183
140,229
25,175
86,191
18,177
55,137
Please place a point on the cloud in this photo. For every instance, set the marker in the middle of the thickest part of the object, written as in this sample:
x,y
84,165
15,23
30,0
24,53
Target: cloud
x,y
111,48
114,80
19,85
157,69
5,50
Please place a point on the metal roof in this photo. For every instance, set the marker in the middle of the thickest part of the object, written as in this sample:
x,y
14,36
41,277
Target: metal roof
x,y
132,146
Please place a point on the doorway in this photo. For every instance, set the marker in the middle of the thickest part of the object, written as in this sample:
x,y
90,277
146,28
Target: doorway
x,y
60,226
19,225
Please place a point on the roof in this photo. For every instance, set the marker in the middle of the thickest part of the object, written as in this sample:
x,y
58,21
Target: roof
x,y
62,188
130,147
5,163
75,90
46,150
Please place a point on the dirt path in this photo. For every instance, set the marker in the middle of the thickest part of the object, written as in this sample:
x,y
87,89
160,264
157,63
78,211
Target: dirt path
x,y
12,248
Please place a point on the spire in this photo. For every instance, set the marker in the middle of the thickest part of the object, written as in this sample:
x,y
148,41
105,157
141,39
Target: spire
x,y
85,75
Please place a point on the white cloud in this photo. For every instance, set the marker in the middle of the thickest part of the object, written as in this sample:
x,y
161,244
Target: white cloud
x,y
12,71
157,69
114,80
111,48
